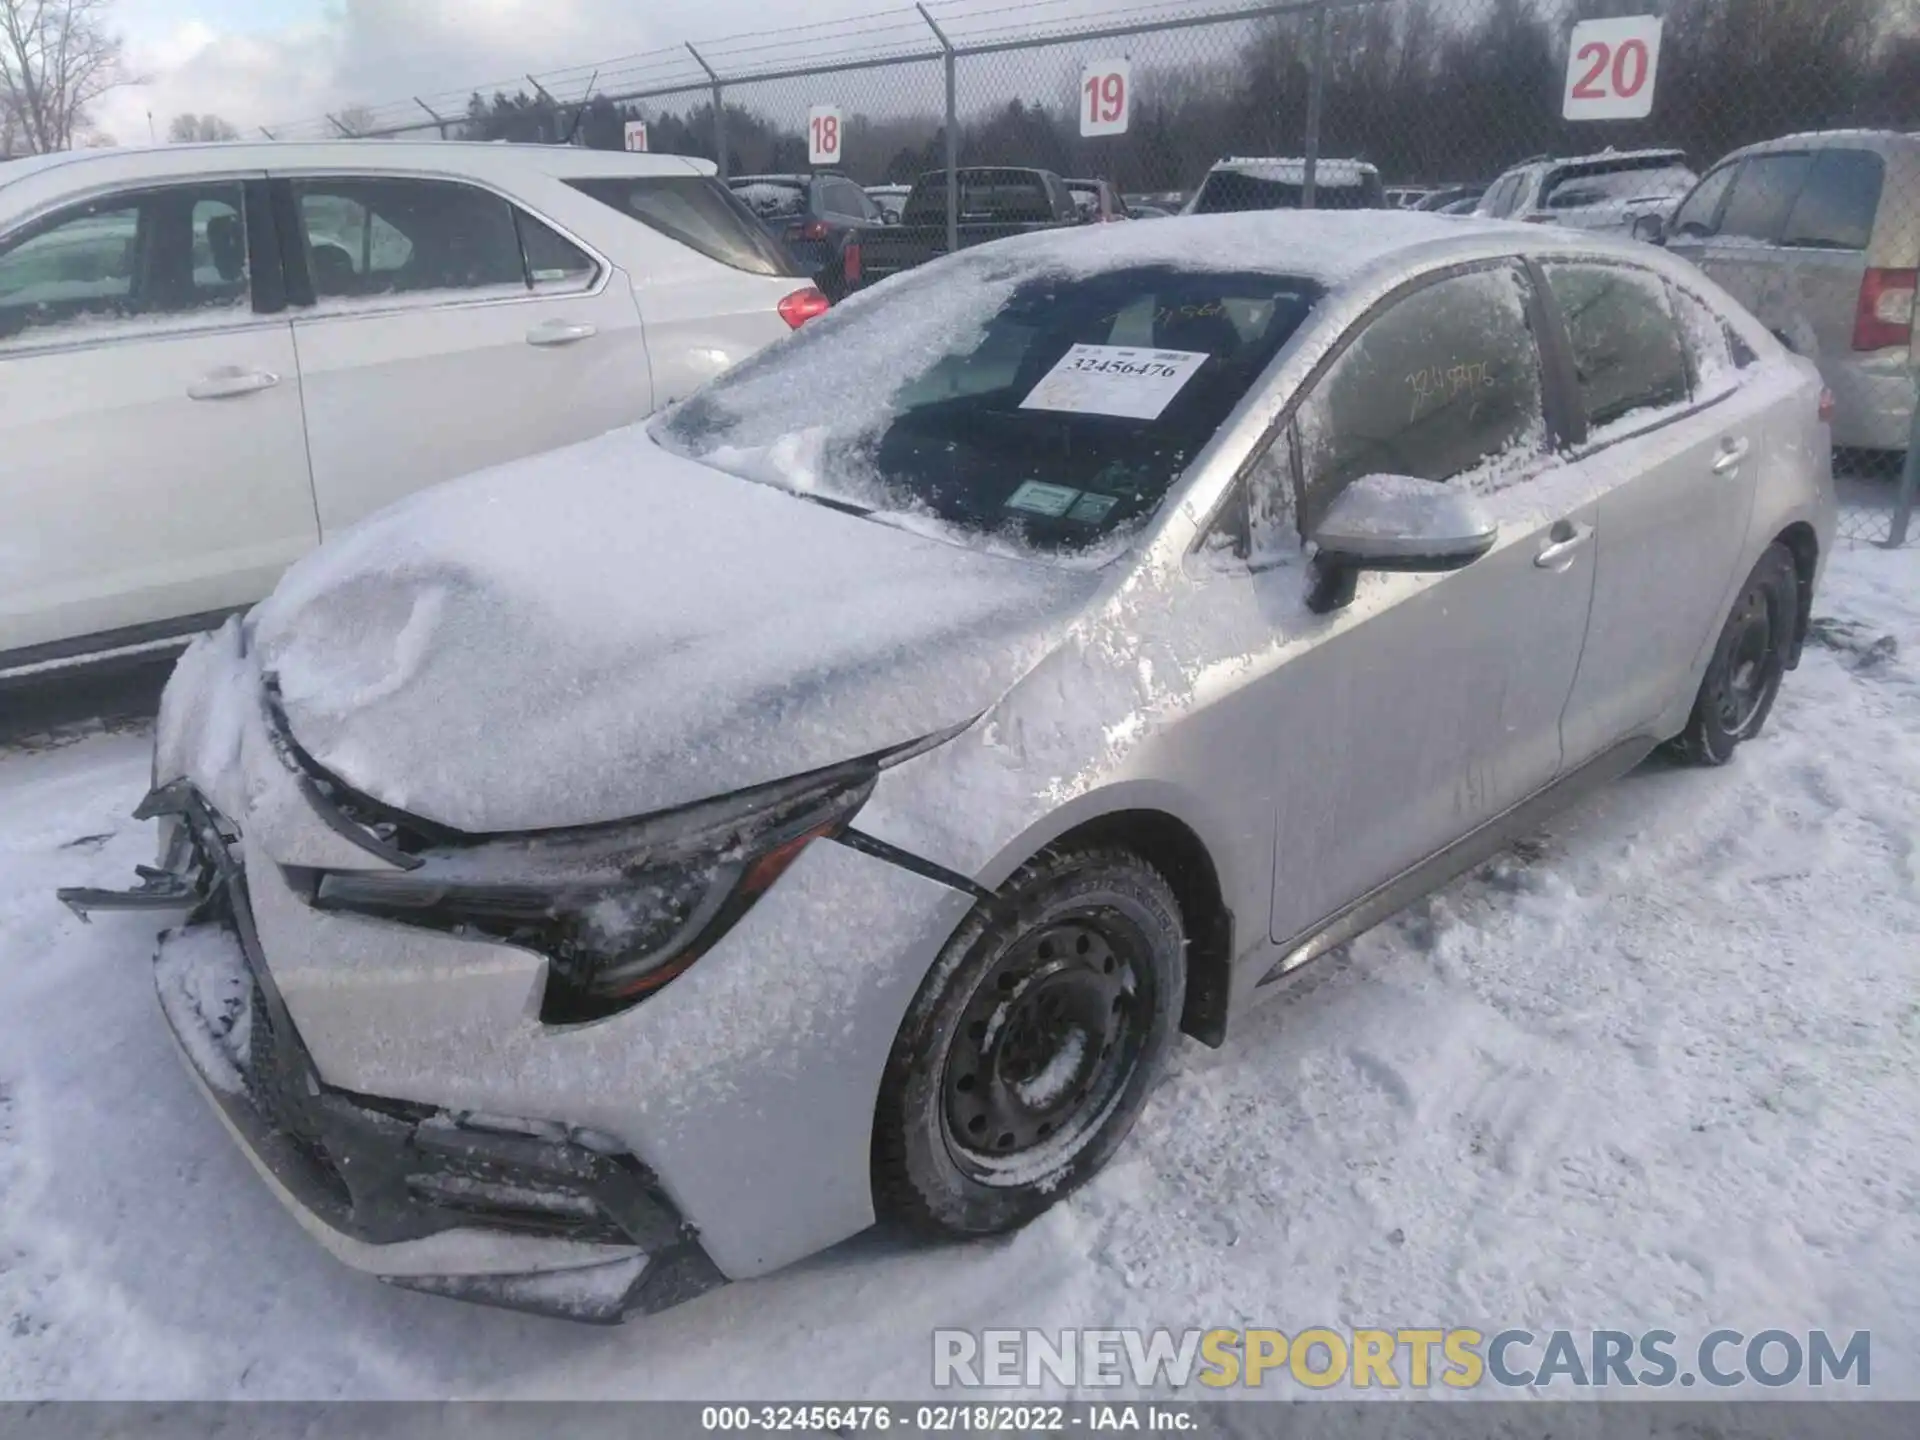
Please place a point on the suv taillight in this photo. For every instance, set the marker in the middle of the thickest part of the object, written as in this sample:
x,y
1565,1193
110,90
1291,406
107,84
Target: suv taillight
x,y
1884,320
802,305
851,264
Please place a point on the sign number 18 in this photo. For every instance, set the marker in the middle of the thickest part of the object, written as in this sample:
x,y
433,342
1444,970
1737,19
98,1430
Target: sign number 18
x,y
823,135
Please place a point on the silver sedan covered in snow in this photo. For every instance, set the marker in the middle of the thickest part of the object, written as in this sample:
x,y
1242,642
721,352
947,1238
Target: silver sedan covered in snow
x,y
644,865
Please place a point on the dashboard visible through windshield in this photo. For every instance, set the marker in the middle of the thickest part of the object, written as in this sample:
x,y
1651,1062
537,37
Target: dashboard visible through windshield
x,y
1061,422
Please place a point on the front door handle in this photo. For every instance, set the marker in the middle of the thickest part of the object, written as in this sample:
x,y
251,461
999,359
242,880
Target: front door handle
x,y
560,332
230,381
1732,452
1564,543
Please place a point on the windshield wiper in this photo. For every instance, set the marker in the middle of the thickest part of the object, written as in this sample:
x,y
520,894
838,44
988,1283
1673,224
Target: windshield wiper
x,y
832,502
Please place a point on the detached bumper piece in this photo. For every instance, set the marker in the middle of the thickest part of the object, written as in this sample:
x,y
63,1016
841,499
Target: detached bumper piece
x,y
385,1172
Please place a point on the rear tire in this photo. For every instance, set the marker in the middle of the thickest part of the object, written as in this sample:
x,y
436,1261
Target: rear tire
x,y
1031,1046
1749,661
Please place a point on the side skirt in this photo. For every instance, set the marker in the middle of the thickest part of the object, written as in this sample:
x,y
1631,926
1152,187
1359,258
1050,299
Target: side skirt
x,y
1455,860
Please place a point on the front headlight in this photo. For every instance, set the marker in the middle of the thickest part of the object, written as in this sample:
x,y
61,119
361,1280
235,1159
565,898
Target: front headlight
x,y
618,909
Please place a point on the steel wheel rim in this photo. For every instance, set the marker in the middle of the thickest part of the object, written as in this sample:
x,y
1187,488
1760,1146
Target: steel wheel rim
x,y
1044,1049
1752,665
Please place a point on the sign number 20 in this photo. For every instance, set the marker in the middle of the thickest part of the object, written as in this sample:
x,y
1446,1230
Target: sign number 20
x,y
1612,66
1631,63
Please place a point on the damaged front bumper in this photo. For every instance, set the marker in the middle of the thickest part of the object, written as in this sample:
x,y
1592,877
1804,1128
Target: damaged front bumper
x,y
529,1215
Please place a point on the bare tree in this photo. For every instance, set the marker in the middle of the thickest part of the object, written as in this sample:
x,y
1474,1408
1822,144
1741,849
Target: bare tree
x,y
56,58
189,128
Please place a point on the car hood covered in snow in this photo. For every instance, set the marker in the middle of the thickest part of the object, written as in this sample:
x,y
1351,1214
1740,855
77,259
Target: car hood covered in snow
x,y
611,630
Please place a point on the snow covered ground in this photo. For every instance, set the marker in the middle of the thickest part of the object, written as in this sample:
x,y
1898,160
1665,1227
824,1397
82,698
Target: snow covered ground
x,y
1659,1067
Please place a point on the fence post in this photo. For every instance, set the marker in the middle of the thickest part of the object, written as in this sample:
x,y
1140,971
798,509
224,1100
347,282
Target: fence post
x,y
953,132
1909,473
719,114
438,120
1316,86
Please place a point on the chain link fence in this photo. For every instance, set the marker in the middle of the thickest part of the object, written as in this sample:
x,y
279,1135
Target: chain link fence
x,y
1775,143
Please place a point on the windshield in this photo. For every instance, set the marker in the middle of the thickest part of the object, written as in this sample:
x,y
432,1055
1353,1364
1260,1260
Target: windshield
x,y
1047,412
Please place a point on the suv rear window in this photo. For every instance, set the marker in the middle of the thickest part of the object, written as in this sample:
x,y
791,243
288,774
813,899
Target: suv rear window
x,y
771,199
1003,195
697,211
1838,202
1230,191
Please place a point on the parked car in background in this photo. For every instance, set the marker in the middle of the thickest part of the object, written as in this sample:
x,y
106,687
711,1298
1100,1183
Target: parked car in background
x,y
823,219
646,865
1149,212
890,199
1608,191
1407,197
1452,200
1172,202
1279,184
1819,236
995,201
214,356
1099,202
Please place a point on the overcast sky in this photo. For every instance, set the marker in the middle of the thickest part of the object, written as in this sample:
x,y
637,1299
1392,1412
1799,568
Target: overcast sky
x,y
260,61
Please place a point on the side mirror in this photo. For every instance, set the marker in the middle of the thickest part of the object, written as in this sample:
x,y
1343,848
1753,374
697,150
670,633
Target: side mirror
x,y
1394,522
1650,228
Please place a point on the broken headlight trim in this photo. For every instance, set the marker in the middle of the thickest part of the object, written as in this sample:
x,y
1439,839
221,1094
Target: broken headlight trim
x,y
619,909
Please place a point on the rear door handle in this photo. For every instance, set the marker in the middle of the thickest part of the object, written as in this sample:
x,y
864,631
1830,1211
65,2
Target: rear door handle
x,y
560,332
1732,452
230,381
1564,543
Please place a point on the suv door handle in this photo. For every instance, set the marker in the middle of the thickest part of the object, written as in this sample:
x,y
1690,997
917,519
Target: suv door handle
x,y
1564,542
560,332
230,381
1732,452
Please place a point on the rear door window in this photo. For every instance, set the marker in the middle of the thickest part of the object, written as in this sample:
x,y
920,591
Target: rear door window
x,y
1838,202
1627,353
1443,384
377,237
1763,195
698,212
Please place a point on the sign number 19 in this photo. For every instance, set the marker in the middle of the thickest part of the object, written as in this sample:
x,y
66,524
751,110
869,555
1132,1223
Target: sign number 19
x,y
1105,97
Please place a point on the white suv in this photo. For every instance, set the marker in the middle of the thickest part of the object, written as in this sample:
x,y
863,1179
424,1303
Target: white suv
x,y
1608,191
212,357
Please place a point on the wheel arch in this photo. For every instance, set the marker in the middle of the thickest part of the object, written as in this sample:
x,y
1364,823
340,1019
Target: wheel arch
x,y
1175,849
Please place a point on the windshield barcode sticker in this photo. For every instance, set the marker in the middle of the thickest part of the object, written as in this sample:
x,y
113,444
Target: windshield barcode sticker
x,y
1120,380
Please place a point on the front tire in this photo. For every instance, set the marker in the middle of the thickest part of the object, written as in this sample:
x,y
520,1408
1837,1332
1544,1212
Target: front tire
x,y
1031,1046
1743,678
